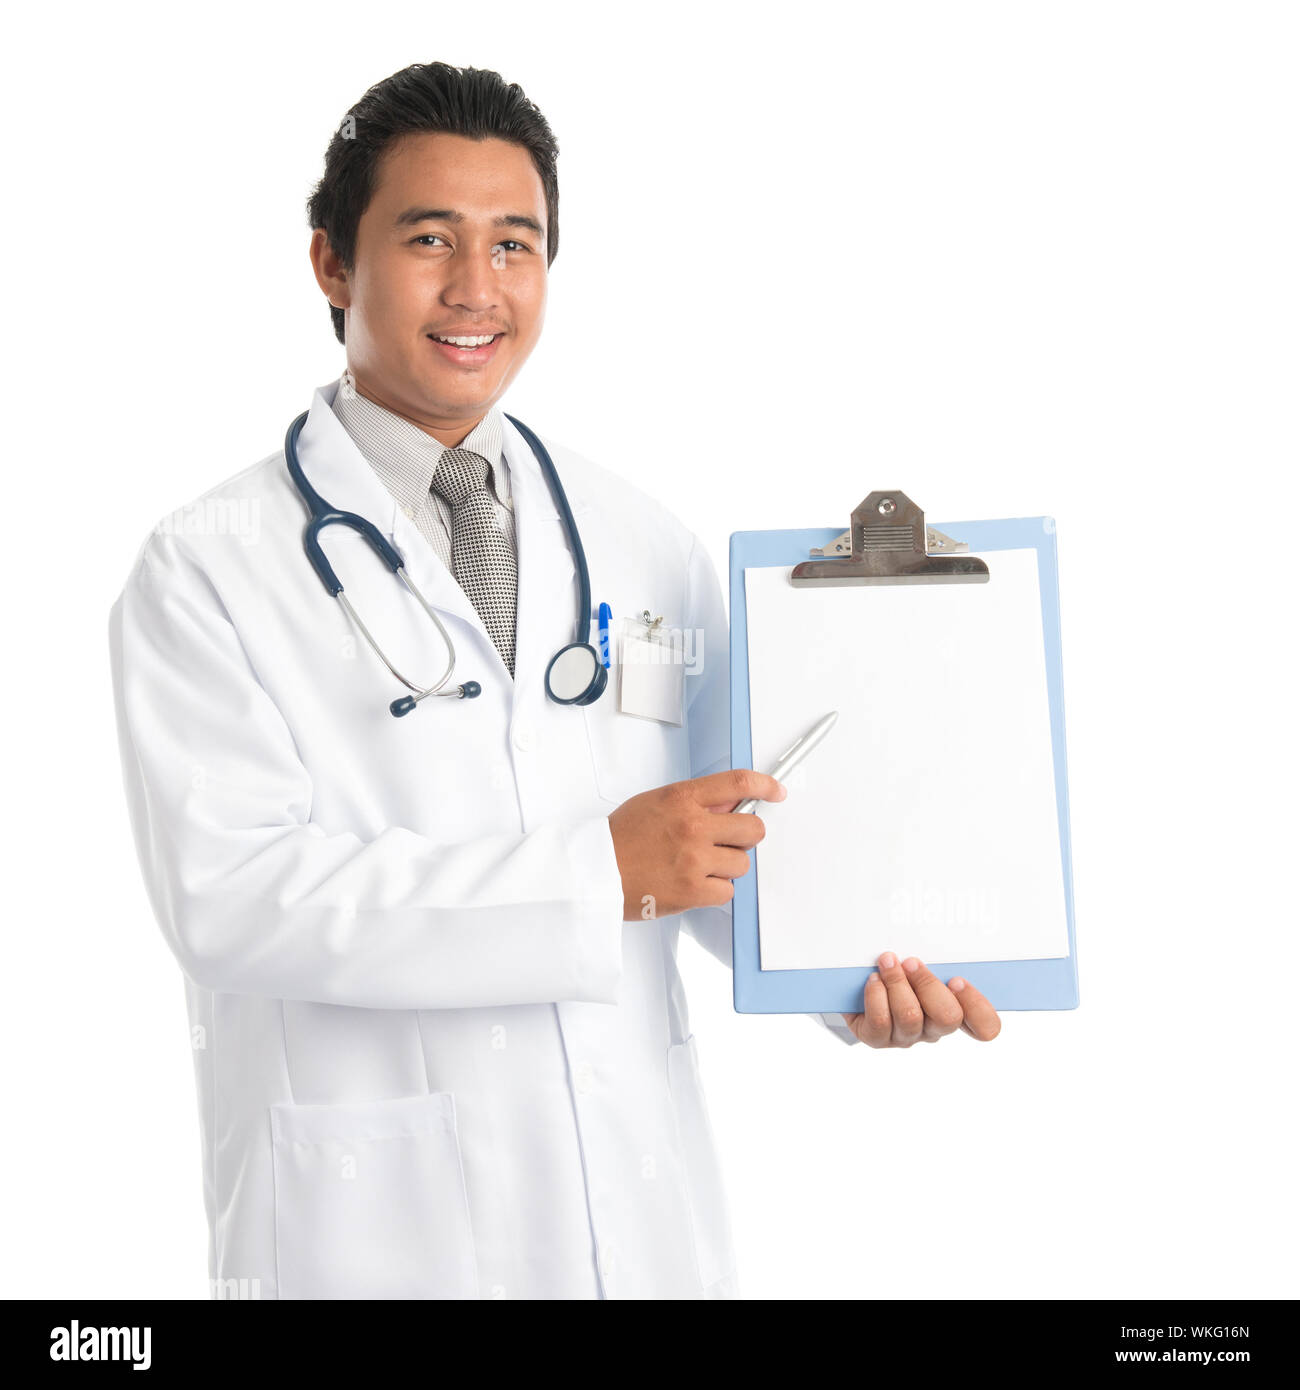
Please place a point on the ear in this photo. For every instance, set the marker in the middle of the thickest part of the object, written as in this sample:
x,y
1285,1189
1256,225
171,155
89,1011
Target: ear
x,y
330,273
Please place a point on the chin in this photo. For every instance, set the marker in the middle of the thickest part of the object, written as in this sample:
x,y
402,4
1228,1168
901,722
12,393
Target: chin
x,y
464,395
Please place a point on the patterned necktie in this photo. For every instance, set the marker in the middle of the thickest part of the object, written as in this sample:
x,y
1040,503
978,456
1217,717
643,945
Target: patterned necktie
x,y
482,559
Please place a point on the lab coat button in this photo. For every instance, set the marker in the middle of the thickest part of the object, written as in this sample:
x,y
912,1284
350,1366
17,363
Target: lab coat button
x,y
410,512
523,737
584,1079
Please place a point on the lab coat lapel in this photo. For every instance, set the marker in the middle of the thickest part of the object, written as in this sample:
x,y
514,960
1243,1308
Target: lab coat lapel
x,y
546,607
340,473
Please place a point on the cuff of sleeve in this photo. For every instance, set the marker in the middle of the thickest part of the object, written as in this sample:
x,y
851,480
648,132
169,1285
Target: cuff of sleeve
x,y
834,1024
598,938
711,927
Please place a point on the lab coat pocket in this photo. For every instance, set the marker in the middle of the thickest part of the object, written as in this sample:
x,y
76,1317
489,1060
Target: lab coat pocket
x,y
370,1201
630,754
713,1248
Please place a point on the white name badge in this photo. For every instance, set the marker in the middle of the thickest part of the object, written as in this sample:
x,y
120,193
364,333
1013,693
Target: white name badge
x,y
652,668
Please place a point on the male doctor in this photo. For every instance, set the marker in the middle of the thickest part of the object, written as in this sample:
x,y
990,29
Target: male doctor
x,y
441,1044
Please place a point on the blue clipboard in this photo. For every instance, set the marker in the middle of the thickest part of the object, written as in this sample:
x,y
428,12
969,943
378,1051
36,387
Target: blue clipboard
x,y
1008,985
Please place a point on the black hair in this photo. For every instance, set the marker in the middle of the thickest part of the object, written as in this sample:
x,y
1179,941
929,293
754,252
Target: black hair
x,y
425,97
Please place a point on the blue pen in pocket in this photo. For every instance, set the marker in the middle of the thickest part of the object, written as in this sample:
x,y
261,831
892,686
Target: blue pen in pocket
x,y
606,613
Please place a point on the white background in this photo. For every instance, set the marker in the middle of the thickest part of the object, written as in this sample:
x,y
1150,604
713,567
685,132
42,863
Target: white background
x,y
1017,258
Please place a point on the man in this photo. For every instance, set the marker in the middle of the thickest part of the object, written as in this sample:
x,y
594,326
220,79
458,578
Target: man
x,y
441,1042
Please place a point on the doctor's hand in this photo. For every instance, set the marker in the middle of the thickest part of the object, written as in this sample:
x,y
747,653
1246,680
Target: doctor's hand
x,y
906,1003
679,846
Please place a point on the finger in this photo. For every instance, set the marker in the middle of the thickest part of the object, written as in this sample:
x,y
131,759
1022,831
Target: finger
x,y
734,786
739,829
712,892
981,1019
908,1016
728,863
875,1024
943,1011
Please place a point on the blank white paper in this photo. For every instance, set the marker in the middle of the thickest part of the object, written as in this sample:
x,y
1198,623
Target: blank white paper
x,y
925,823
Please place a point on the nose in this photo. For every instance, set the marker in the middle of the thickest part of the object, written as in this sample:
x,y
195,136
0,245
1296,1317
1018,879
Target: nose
x,y
472,282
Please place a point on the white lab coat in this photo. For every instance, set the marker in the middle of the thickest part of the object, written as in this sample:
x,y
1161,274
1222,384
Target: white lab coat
x,y
432,1059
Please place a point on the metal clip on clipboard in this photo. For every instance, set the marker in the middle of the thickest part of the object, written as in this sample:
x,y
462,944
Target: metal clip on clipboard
x,y
888,542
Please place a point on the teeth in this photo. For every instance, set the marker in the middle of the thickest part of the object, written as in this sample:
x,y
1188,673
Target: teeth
x,y
481,341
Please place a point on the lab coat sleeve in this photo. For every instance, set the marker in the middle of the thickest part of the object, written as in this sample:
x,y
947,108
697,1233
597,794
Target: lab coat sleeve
x,y
255,899
708,712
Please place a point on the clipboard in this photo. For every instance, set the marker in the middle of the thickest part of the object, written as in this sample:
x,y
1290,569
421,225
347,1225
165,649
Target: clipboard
x,y
889,543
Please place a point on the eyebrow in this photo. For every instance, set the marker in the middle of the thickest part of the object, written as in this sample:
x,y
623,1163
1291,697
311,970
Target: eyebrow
x,y
509,219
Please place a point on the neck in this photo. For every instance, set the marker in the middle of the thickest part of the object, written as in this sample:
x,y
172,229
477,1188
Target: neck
x,y
445,431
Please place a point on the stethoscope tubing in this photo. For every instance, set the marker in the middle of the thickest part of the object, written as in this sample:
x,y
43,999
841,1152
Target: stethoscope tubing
x,y
322,515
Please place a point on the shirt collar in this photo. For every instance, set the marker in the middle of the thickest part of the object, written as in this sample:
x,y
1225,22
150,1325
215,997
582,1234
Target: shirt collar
x,y
404,456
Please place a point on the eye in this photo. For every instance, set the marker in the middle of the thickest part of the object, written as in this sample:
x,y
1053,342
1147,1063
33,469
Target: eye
x,y
426,238
513,245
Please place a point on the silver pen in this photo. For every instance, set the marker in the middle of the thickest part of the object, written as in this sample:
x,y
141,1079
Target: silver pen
x,y
795,754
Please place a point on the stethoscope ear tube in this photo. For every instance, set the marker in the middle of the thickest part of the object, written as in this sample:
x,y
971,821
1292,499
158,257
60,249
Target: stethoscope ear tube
x,y
402,707
542,454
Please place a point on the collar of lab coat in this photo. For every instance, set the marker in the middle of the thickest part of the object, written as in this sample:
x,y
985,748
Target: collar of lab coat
x,y
545,610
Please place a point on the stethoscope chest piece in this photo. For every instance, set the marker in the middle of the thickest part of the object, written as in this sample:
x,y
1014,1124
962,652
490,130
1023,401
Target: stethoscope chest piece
x,y
575,675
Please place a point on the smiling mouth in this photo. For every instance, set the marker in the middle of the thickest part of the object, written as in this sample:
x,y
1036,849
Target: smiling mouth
x,y
466,342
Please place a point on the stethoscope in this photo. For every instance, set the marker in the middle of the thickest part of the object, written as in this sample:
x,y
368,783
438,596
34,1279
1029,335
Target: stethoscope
x,y
574,675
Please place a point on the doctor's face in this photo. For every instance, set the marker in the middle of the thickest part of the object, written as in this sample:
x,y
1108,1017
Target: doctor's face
x,y
452,245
